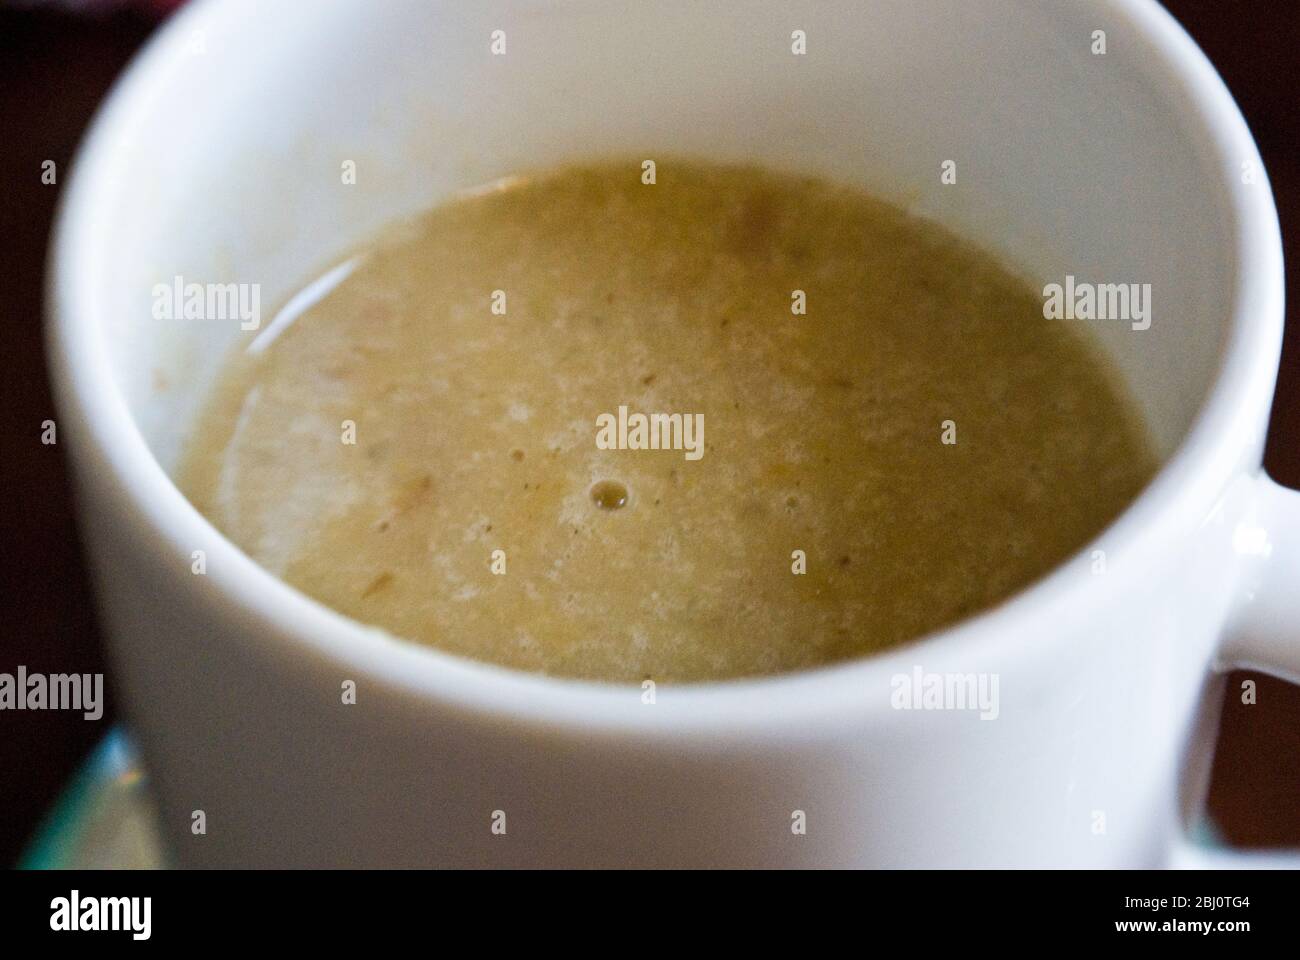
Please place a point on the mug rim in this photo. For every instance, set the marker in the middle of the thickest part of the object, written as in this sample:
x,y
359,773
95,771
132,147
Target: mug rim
x,y
1228,425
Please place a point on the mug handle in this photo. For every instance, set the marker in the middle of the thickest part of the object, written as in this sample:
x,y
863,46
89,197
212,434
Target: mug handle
x,y
1263,634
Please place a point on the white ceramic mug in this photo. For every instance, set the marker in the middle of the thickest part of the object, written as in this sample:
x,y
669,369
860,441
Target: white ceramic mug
x,y
218,158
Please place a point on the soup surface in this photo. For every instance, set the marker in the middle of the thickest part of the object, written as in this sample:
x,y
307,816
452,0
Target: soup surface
x,y
893,436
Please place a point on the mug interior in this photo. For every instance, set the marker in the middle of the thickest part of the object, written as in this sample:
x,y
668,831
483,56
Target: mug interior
x,y
1067,162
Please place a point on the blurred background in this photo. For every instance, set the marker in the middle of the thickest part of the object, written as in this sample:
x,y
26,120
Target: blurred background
x,y
58,58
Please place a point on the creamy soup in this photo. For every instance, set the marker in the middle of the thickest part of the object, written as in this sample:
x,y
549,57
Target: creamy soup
x,y
727,423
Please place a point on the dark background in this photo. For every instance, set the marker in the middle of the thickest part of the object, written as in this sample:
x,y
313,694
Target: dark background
x,y
55,68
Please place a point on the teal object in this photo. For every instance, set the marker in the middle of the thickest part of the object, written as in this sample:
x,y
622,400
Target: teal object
x,y
104,819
